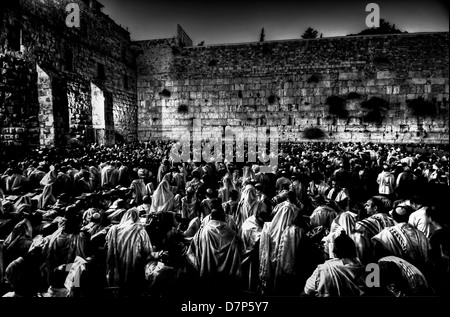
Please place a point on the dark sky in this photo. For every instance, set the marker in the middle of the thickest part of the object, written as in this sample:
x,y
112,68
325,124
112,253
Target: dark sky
x,y
232,21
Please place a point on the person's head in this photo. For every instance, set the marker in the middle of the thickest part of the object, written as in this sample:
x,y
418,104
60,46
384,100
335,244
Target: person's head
x,y
190,191
285,186
146,200
318,200
344,246
401,213
292,197
373,206
209,193
262,214
336,183
218,214
258,187
234,194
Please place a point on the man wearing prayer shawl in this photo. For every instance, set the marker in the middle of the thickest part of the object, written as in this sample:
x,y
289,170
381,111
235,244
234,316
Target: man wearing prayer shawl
x,y
105,175
250,235
18,241
345,221
403,241
282,242
163,198
399,278
341,276
138,189
248,205
189,205
215,254
367,228
128,251
66,243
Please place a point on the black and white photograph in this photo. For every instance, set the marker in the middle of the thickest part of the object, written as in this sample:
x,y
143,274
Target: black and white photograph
x,y
224,156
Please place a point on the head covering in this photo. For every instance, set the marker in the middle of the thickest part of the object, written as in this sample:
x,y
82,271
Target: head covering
x,y
162,199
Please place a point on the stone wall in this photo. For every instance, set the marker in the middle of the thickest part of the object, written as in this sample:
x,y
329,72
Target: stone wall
x,y
361,88
73,56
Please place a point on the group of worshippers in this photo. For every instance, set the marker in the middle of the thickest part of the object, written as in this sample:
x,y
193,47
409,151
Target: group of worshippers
x,y
129,221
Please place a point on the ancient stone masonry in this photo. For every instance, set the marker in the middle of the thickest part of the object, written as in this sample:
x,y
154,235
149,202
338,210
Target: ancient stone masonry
x,y
359,88
61,64
97,84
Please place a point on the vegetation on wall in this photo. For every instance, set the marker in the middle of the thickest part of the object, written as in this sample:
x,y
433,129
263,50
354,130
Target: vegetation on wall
x,y
183,109
421,107
353,95
313,133
377,108
271,99
337,106
313,79
165,93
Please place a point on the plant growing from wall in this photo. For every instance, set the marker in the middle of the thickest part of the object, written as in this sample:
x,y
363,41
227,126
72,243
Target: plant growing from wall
x,y
183,109
313,79
175,50
165,93
353,95
337,106
377,108
373,116
271,99
421,107
381,60
313,133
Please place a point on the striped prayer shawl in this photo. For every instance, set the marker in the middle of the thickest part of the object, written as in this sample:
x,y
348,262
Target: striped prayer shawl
x,y
374,224
415,281
406,242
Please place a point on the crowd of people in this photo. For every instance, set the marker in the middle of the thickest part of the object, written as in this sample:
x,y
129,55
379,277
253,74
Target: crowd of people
x,y
128,221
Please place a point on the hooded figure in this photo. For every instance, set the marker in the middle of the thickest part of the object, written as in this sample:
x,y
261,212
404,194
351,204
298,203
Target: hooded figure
x,y
163,198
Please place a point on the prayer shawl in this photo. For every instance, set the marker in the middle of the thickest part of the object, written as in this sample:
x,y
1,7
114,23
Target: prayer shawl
x,y
162,171
224,192
228,220
248,174
49,178
374,224
35,177
412,281
271,238
18,241
64,247
420,220
386,183
95,176
337,278
180,182
406,242
215,251
138,190
16,183
323,216
365,230
105,175
248,205
128,248
298,189
188,209
46,199
163,198
250,235
344,221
